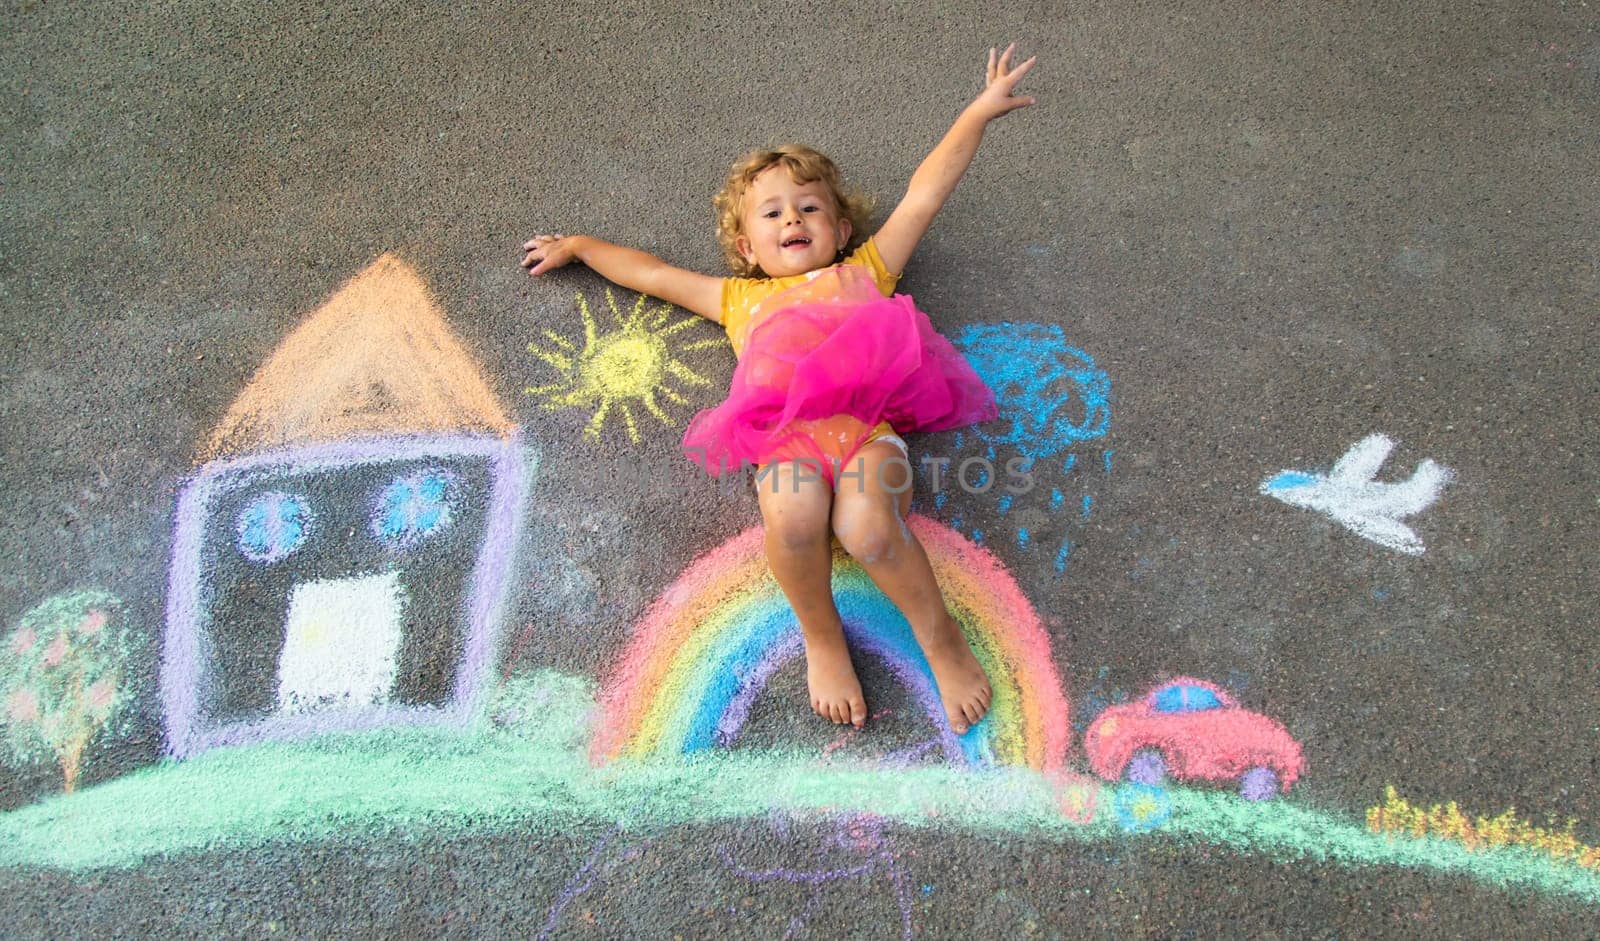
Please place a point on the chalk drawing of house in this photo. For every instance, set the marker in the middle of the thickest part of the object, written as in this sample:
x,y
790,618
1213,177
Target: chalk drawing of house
x,y
342,553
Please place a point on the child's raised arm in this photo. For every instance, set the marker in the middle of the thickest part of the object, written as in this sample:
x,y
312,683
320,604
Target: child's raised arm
x,y
940,171
629,267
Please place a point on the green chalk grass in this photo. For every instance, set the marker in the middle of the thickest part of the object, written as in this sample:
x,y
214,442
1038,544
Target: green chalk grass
x,y
535,776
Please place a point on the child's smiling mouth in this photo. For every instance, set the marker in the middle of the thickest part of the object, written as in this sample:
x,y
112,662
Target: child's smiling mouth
x,y
797,242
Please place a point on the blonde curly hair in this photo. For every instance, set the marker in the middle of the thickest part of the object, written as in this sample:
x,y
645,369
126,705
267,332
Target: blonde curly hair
x,y
805,165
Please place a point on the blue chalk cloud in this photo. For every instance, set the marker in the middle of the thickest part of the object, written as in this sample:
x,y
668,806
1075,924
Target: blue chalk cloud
x,y
1050,394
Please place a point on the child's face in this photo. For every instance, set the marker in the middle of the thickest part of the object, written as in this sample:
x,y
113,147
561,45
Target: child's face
x,y
790,228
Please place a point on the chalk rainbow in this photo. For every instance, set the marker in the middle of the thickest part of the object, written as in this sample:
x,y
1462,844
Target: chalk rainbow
x,y
708,644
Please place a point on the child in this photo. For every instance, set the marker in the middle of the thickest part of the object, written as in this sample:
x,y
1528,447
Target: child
x,y
828,382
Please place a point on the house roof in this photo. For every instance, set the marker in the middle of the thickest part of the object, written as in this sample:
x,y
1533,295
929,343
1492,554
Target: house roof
x,y
376,358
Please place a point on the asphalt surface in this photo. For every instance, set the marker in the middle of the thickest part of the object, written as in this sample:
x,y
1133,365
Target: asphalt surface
x,y
1278,230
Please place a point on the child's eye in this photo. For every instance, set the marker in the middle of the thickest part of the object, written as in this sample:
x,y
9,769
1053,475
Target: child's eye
x,y
771,214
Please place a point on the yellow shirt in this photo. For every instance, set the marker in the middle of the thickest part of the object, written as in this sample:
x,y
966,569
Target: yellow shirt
x,y
741,295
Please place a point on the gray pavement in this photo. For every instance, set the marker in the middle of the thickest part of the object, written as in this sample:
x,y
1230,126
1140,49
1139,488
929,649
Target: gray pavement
x,y
1277,230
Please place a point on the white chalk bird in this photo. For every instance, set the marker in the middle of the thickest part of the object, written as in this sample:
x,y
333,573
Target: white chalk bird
x,y
1353,498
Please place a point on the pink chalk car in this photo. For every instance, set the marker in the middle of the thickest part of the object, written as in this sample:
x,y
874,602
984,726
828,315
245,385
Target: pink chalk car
x,y
1193,731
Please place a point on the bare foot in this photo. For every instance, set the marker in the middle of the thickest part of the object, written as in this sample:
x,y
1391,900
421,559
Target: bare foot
x,y
835,691
963,687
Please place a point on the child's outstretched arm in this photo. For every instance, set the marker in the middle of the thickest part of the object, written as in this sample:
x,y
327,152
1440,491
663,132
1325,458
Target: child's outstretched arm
x,y
940,171
629,267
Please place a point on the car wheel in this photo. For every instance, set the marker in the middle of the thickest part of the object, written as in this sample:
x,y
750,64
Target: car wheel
x,y
1259,784
1147,766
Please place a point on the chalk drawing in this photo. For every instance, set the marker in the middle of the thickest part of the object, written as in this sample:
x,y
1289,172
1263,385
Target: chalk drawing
x,y
273,526
1396,815
367,458
1192,730
1142,807
862,837
597,866
364,460
377,358
1077,794
341,641
414,507
708,644
528,772
1352,497
1051,395
623,368
61,679
1053,402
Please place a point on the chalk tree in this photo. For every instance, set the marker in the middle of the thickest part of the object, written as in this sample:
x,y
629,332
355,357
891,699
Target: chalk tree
x,y
62,678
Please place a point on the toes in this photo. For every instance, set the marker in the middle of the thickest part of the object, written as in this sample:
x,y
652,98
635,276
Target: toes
x,y
839,712
958,723
858,713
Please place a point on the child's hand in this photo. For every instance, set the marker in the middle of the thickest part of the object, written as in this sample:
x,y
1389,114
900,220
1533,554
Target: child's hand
x,y
549,252
996,98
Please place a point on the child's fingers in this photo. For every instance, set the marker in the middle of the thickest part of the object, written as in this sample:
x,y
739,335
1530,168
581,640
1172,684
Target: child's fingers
x,y
989,72
550,257
1005,58
538,240
1022,70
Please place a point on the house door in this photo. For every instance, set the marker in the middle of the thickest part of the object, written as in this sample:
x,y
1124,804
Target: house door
x,y
341,644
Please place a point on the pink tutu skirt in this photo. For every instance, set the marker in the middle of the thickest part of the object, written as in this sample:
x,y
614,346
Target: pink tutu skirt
x,y
824,362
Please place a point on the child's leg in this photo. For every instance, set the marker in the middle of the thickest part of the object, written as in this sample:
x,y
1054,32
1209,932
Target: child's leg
x,y
869,520
795,508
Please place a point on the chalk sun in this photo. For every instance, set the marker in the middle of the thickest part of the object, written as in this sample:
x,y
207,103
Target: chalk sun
x,y
632,366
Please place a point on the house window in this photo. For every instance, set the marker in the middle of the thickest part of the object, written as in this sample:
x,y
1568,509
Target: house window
x,y
414,507
272,526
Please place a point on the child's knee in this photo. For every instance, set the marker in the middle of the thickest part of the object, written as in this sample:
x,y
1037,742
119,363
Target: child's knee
x,y
794,532
869,536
